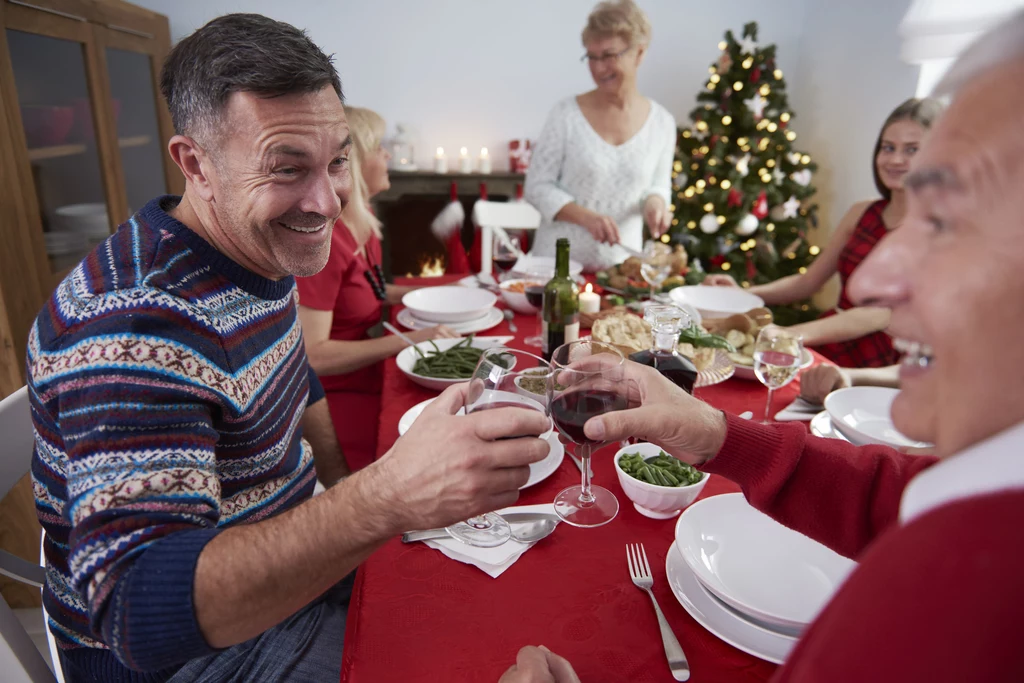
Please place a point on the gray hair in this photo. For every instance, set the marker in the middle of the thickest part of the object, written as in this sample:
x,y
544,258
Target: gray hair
x,y
1000,44
239,53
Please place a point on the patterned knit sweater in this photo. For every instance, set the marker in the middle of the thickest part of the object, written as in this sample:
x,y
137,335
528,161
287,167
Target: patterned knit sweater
x,y
167,384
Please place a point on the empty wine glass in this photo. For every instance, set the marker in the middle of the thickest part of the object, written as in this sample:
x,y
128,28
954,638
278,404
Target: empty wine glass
x,y
777,356
496,384
587,379
656,264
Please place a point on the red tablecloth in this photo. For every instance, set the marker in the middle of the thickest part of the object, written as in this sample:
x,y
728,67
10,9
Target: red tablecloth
x,y
419,616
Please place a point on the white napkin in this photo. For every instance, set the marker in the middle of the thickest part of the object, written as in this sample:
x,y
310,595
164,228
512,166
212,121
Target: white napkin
x,y
798,410
491,561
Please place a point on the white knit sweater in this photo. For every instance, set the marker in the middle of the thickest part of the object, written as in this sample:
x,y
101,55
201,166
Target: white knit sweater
x,y
572,163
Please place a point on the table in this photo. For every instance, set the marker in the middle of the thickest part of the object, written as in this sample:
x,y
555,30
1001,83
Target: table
x,y
418,616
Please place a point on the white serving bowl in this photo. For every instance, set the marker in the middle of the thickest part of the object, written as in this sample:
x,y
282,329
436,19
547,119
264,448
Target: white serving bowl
x,y
862,415
406,360
449,304
716,302
516,300
650,500
542,267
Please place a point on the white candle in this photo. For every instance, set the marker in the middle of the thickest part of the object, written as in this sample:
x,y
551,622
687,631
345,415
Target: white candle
x,y
485,161
590,302
440,161
465,163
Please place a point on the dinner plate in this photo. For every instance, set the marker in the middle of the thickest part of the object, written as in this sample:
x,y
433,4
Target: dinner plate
x,y
862,415
713,615
747,371
539,471
451,304
716,302
821,425
720,369
493,317
756,565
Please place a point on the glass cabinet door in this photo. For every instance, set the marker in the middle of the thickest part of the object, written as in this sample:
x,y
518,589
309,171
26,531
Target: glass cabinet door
x,y
57,116
134,102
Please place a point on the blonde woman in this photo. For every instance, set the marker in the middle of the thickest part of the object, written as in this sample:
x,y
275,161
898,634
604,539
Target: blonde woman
x,y
603,164
339,305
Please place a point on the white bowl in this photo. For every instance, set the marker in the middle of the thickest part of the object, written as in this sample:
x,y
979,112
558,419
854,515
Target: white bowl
x,y
516,300
716,302
650,500
756,565
862,415
449,304
406,360
542,267
542,398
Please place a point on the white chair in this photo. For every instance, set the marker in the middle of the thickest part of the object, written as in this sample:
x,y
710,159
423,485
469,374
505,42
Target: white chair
x,y
494,217
20,661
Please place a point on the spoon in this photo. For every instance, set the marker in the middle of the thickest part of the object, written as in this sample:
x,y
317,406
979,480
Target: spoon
x,y
394,330
509,317
525,532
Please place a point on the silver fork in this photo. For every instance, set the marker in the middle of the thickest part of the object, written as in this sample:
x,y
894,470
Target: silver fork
x,y
640,572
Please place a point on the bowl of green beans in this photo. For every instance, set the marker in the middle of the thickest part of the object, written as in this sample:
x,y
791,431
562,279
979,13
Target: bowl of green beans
x,y
659,485
440,363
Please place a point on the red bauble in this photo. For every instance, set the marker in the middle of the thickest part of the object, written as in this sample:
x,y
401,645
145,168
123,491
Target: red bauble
x,y
717,261
735,198
760,208
755,75
713,141
751,271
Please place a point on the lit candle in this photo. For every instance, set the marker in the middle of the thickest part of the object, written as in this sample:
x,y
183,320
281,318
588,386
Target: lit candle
x,y
440,161
465,163
485,161
590,302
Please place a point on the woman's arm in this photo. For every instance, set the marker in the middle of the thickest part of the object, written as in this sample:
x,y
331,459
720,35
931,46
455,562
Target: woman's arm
x,y
797,287
332,357
843,326
396,292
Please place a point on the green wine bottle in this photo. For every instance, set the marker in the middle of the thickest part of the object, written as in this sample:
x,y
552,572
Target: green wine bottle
x,y
561,304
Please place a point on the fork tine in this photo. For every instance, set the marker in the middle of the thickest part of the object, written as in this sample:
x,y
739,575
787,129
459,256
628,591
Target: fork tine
x,y
647,567
629,561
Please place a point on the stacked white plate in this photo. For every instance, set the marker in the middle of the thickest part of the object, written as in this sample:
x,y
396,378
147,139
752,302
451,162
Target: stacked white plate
x,y
90,220
862,416
746,578
462,309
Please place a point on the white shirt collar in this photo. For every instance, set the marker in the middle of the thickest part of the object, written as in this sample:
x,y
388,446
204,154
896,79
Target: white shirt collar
x,y
995,464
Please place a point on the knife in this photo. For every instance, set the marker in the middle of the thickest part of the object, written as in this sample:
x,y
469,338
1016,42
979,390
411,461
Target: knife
x,y
496,340
510,517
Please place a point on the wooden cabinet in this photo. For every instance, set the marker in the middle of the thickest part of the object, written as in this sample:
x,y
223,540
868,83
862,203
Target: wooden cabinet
x,y
84,135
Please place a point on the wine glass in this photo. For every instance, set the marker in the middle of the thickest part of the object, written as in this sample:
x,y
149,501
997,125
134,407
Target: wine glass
x,y
503,254
656,264
777,356
534,292
496,384
587,379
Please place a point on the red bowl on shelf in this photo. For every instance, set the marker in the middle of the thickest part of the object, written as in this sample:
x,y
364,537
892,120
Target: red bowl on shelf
x,y
46,126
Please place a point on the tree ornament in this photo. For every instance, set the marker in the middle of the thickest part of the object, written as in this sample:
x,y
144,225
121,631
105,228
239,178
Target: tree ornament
x,y
748,45
751,271
802,178
743,166
756,105
760,208
679,182
778,174
724,62
709,224
794,157
790,207
747,225
755,75
735,198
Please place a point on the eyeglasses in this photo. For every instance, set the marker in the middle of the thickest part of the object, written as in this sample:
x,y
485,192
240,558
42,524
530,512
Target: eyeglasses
x,y
606,57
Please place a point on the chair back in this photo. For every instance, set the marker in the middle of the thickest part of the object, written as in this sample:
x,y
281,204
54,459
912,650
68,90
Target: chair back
x,y
17,439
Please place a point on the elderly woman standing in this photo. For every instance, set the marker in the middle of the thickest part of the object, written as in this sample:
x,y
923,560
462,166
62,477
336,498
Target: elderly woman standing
x,y
603,164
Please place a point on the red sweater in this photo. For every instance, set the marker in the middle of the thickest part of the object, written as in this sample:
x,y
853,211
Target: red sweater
x,y
938,599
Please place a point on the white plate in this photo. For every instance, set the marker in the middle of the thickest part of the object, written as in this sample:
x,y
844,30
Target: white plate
x,y
407,357
531,266
491,318
821,426
862,415
451,304
713,616
716,302
755,564
747,371
539,471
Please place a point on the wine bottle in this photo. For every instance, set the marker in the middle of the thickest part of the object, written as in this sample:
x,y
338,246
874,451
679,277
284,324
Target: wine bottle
x,y
561,322
666,323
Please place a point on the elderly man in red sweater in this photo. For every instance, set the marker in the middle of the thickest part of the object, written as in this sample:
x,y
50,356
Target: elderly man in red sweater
x,y
939,591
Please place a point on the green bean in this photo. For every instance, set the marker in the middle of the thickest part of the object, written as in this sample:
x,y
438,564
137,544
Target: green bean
x,y
660,470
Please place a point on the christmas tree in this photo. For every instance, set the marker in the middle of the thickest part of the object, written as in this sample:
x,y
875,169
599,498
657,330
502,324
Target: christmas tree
x,y
741,187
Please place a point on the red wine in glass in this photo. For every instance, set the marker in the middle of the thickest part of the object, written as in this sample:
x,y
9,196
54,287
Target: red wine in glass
x,y
535,295
677,369
504,263
571,410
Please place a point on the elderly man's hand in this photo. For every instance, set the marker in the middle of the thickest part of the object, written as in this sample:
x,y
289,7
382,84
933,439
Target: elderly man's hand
x,y
662,413
818,382
539,665
447,468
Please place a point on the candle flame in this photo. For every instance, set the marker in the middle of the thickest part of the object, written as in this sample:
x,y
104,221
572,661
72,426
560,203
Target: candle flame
x,y
590,288
440,151
464,152
483,151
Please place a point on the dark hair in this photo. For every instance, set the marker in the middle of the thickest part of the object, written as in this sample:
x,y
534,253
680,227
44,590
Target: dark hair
x,y
923,111
240,53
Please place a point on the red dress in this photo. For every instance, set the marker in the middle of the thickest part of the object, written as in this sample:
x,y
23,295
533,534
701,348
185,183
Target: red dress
x,y
873,350
341,287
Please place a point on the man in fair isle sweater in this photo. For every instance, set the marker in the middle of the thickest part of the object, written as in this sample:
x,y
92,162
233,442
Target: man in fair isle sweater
x,y
939,590
178,430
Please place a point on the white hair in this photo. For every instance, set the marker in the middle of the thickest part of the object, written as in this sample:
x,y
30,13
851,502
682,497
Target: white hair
x,y
1000,44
